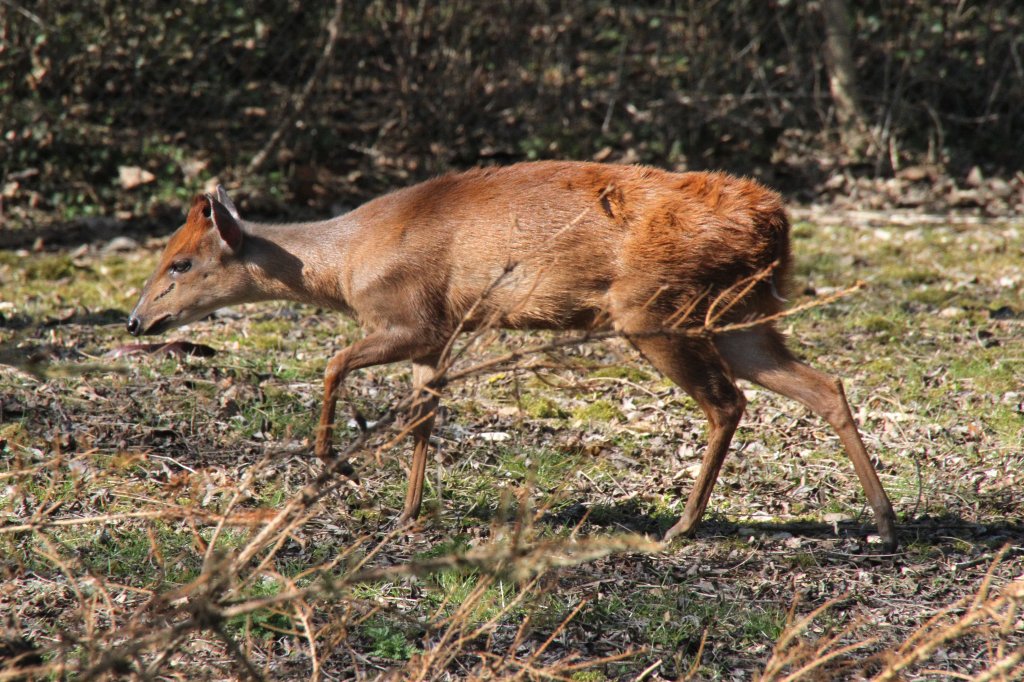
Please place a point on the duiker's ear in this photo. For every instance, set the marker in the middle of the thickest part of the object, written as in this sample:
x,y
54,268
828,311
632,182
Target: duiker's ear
x,y
229,229
223,198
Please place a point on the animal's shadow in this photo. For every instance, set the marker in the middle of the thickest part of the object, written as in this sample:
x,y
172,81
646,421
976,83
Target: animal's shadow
x,y
927,530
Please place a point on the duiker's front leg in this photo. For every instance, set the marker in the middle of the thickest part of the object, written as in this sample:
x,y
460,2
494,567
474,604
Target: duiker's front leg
x,y
375,349
421,417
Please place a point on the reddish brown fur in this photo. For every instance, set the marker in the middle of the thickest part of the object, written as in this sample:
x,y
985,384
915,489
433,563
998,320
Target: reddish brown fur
x,y
539,245
190,237
633,231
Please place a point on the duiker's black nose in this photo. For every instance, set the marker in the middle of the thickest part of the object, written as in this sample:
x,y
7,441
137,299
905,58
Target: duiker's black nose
x,y
134,325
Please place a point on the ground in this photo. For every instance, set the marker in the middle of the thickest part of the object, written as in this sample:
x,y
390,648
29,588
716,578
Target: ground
x,y
163,515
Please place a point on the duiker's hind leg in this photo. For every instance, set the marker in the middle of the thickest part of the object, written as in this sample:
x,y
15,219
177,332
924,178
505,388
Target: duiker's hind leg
x,y
761,356
696,366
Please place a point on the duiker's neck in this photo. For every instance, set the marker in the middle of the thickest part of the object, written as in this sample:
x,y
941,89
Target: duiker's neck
x,y
299,261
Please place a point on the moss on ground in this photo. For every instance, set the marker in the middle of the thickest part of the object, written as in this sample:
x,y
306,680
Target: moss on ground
x,y
930,353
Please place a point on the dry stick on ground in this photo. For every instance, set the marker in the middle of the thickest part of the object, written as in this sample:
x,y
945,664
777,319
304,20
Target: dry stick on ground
x,y
38,672
285,521
443,651
695,666
454,640
154,666
169,639
209,614
236,652
296,512
304,614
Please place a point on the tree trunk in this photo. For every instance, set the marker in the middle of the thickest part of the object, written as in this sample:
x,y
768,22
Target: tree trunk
x,y
842,78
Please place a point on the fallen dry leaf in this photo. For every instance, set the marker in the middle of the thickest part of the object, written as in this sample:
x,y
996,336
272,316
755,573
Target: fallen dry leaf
x,y
131,177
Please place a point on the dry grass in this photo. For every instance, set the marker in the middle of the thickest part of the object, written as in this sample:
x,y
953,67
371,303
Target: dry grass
x,y
165,520
983,617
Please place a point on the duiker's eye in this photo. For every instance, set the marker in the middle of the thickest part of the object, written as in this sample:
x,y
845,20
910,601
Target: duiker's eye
x,y
180,266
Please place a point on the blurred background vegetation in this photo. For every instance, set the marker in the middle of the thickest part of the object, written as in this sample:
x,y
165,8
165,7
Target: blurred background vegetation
x,y
122,109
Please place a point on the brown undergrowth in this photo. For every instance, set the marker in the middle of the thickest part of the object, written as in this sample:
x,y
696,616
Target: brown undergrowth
x,y
165,520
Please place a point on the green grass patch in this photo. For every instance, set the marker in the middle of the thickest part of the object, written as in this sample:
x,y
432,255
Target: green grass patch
x,y
929,389
388,640
599,411
623,371
542,407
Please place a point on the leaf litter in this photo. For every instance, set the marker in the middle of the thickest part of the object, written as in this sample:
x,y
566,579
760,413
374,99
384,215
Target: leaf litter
x,y
122,491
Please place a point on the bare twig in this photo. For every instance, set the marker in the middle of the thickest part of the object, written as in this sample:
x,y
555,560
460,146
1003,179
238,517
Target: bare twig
x,y
520,562
301,100
248,518
31,16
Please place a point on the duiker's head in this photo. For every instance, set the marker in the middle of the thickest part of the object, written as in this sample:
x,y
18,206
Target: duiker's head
x,y
199,272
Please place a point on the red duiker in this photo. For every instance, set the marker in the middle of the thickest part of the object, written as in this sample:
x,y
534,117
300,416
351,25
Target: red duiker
x,y
548,245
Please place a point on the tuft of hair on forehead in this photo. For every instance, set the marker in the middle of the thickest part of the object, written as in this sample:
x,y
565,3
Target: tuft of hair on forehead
x,y
197,223
200,212
205,213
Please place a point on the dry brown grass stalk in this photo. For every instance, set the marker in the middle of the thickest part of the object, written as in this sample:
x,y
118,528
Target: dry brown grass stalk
x,y
115,641
144,640
988,616
245,518
992,617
